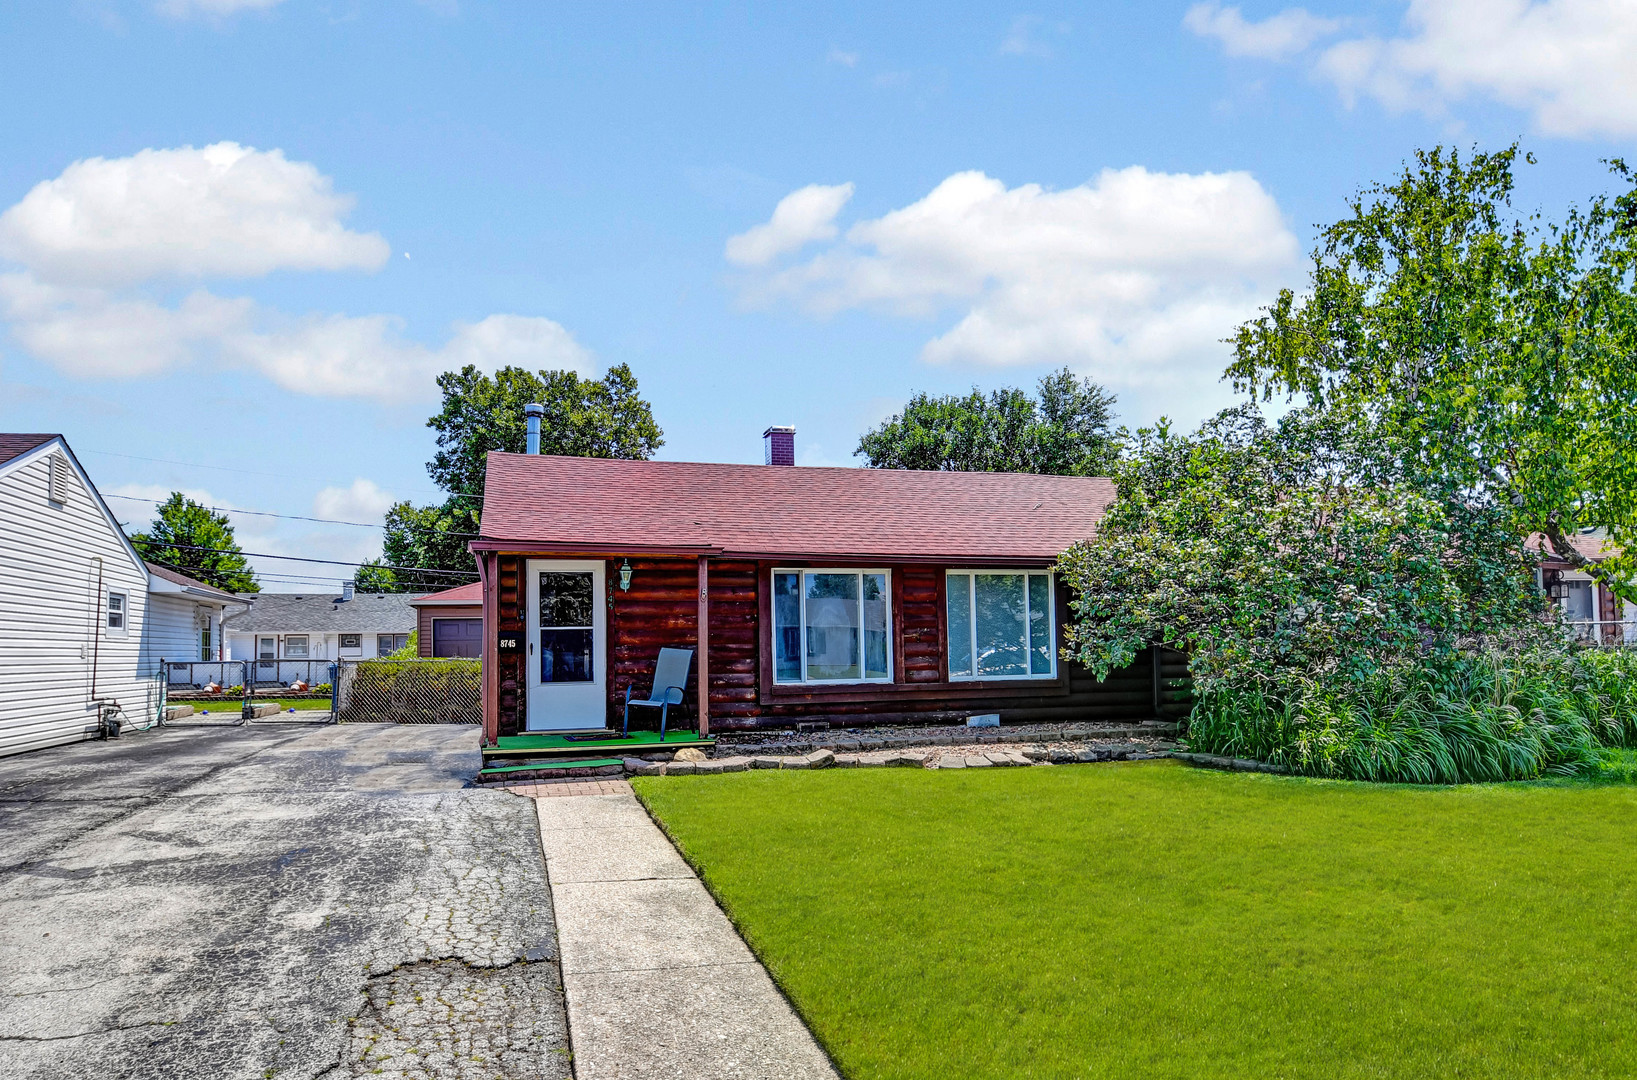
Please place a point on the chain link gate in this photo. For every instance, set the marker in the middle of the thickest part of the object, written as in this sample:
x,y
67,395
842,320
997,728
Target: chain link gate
x,y
441,691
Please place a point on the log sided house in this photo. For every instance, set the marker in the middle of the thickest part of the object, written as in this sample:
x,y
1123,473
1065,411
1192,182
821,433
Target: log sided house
x,y
837,595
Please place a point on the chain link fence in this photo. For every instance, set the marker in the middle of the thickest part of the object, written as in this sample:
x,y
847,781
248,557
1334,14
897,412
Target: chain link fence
x,y
444,691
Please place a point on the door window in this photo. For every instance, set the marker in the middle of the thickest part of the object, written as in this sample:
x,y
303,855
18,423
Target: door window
x,y
266,648
567,601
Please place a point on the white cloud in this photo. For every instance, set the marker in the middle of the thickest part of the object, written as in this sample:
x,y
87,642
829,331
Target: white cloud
x,y
1021,39
1568,64
92,333
97,242
182,9
844,58
803,216
222,210
1134,277
362,501
1276,38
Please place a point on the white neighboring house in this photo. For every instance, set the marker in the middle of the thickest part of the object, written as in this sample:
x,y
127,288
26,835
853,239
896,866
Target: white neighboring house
x,y
185,624
83,621
293,636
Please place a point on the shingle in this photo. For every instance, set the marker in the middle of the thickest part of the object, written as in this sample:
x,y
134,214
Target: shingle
x,y
13,444
761,510
327,613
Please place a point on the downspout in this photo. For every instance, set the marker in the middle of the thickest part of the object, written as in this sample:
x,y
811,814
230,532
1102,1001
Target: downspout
x,y
96,632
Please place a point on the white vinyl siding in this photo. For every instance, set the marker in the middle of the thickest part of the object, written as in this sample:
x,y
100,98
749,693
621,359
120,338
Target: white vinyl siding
x,y
174,628
51,611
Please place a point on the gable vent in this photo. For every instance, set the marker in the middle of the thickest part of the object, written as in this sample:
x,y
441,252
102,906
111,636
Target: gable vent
x,y
57,487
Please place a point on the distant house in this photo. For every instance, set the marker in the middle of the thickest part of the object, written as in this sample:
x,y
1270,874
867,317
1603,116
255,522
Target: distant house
x,y
84,621
831,595
450,623
1589,608
287,634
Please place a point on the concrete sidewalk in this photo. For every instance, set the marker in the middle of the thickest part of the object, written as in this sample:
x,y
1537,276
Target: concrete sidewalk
x,y
658,982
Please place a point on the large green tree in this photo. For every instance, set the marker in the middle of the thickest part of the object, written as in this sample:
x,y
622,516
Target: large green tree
x,y
1491,354
1065,429
584,417
195,541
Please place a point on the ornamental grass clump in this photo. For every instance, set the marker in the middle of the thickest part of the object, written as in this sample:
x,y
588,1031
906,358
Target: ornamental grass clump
x,y
1482,716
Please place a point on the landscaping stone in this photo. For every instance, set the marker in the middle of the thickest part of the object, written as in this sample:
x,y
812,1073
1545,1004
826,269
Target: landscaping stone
x,y
976,761
689,754
951,761
846,761
795,763
682,768
820,759
176,712
638,767
764,762
905,760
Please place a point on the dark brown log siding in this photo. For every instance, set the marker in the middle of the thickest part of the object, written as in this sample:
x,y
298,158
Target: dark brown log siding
x,y
661,609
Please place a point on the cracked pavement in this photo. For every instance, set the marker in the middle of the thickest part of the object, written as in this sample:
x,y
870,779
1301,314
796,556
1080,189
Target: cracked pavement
x,y
273,901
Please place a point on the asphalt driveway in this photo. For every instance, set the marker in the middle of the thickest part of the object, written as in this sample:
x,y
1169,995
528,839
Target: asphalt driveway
x,y
273,902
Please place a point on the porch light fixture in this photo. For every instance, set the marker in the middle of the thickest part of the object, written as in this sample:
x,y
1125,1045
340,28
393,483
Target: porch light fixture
x,y
625,576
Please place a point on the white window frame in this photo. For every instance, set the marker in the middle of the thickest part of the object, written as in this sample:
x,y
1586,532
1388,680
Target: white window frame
x,y
306,646
392,640
124,614
801,595
972,629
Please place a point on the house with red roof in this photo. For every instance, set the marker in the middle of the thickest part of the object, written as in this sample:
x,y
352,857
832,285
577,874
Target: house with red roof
x,y
1589,608
809,595
450,622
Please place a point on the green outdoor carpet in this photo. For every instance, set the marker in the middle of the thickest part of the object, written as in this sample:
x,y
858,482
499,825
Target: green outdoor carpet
x,y
561,746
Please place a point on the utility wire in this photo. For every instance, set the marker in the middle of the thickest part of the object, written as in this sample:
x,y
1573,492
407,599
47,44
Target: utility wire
x,y
260,513
298,558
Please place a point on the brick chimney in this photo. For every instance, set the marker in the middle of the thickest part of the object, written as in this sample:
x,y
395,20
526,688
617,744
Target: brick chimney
x,y
780,446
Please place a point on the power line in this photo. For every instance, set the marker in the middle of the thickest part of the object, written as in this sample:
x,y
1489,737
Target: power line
x,y
260,513
298,558
252,472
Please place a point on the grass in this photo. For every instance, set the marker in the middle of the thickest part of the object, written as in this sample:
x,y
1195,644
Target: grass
x,y
233,704
1151,920
1474,717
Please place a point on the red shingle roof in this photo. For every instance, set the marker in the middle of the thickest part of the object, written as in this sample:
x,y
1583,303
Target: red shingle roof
x,y
460,594
593,504
13,445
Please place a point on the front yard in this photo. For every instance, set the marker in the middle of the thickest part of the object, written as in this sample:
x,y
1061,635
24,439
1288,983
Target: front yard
x,y
1158,921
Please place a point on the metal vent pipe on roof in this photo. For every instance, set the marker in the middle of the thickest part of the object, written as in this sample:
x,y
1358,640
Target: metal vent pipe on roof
x,y
779,446
534,411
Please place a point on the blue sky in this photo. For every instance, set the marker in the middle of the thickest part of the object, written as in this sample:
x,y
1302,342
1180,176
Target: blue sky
x,y
245,233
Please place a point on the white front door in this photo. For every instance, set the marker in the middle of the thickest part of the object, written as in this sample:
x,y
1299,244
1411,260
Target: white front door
x,y
568,638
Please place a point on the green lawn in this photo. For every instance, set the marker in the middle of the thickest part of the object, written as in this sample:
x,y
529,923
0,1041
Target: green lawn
x,y
233,704
1151,920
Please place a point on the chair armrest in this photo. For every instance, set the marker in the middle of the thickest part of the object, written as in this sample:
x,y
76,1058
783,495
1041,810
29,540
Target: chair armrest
x,y
677,690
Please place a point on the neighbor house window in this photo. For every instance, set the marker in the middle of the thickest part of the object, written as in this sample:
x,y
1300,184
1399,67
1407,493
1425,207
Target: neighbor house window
x,y
831,626
386,644
117,613
295,647
349,642
204,642
1001,624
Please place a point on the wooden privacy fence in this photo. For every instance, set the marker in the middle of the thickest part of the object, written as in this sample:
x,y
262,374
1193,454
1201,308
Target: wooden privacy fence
x,y
443,691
